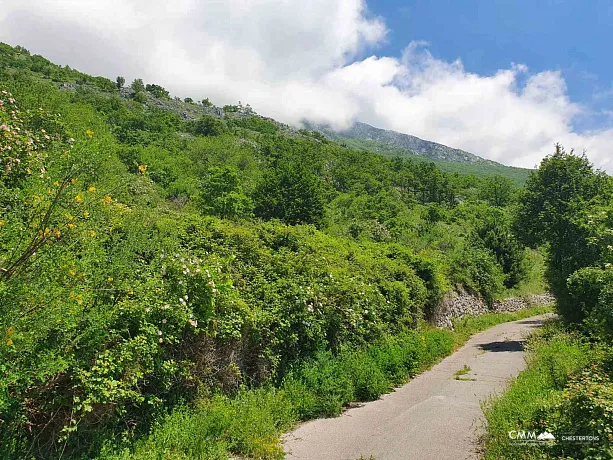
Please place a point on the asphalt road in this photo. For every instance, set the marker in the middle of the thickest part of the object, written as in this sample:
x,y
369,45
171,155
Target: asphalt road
x,y
434,416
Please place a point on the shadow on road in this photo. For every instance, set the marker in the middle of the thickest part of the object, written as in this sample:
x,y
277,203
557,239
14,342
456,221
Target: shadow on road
x,y
531,321
510,345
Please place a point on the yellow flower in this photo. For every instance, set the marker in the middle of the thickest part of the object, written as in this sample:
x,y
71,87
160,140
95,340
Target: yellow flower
x,y
10,331
56,183
72,272
1,223
47,231
57,233
106,200
28,171
78,199
91,189
9,342
142,169
73,181
92,233
110,278
71,226
89,132
86,214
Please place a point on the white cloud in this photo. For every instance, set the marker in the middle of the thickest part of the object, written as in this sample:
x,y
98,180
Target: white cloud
x,y
296,60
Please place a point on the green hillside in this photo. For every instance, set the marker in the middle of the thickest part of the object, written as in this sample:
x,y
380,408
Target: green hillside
x,y
161,256
479,169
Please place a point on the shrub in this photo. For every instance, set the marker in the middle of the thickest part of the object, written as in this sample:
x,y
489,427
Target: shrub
x,y
137,85
478,270
493,232
140,96
156,90
207,125
292,192
221,194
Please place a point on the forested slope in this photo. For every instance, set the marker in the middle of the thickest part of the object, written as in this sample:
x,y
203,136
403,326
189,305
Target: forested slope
x,y
154,252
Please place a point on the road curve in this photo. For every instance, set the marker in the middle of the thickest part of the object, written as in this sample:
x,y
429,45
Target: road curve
x,y
434,416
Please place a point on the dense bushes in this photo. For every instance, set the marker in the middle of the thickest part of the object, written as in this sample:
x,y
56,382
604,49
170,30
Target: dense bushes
x,y
146,259
251,422
207,126
566,205
476,269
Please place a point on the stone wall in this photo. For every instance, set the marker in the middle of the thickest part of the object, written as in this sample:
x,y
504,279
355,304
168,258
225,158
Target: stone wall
x,y
459,303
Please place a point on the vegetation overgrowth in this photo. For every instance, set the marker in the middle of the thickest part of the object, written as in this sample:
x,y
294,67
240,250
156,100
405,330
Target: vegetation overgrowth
x,y
150,259
251,422
567,389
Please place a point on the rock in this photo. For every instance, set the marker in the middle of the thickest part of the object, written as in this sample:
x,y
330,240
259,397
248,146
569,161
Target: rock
x,y
459,303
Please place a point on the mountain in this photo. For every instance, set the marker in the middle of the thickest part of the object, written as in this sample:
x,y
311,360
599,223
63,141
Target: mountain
x,y
394,144
386,139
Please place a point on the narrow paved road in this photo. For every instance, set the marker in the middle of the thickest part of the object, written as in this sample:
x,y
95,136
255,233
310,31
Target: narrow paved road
x,y
434,416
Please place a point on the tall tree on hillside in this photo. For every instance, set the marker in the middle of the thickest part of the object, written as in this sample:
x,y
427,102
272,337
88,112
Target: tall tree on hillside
x,y
137,85
290,191
554,210
497,191
120,82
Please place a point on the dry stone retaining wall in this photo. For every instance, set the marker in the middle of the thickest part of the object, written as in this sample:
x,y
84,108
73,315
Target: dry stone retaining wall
x,y
459,303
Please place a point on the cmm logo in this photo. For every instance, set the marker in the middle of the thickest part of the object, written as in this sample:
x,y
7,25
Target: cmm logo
x,y
522,435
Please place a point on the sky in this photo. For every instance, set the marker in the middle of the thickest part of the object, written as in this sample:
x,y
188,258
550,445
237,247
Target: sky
x,y
504,79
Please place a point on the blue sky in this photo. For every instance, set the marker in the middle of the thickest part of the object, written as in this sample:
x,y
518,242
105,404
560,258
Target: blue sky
x,y
573,36
504,79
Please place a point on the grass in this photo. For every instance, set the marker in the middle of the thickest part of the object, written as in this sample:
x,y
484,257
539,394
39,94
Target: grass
x,y
534,281
553,356
251,422
460,373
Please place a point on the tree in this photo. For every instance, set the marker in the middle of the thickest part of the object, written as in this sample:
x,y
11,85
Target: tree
x,y
138,85
156,90
290,191
553,210
221,194
188,100
206,102
493,232
497,191
120,82
207,125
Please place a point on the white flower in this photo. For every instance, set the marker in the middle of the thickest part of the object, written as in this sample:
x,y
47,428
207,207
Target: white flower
x,y
159,332
164,321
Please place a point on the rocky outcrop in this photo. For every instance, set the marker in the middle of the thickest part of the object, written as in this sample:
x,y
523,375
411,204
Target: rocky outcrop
x,y
459,303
